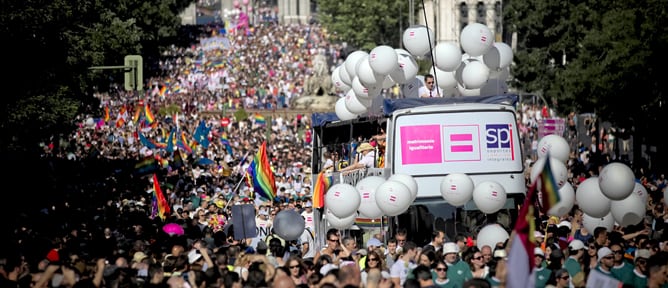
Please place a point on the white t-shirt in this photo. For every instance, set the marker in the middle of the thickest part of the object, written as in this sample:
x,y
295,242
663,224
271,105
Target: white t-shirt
x,y
307,237
400,270
308,220
369,159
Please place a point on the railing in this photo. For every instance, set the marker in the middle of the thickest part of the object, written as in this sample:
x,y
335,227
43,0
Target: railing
x,y
354,176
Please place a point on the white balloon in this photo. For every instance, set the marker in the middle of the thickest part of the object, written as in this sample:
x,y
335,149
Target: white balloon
x,y
566,201
476,39
340,222
554,145
342,199
417,40
388,82
616,181
475,75
467,92
445,80
288,224
367,189
341,111
345,76
489,196
447,56
590,198
383,59
559,170
640,190
499,56
628,211
490,235
407,68
590,222
393,197
459,72
338,83
407,180
364,92
90,122
366,75
351,62
457,188
355,104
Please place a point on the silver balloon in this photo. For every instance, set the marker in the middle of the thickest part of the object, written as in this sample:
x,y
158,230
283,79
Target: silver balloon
x,y
289,225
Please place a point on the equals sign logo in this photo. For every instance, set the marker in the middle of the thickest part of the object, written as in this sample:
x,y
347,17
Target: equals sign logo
x,y
393,198
494,194
337,194
453,187
366,195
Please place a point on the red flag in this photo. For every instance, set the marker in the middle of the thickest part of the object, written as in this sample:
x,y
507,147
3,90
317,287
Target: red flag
x,y
159,200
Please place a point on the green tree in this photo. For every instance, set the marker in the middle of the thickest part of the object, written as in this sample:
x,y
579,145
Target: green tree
x,y
51,44
365,24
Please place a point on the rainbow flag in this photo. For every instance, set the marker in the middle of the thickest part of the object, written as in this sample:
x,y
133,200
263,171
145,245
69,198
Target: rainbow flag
x,y
521,256
549,188
146,166
106,114
226,143
322,184
371,222
135,117
148,114
163,90
259,119
160,204
261,174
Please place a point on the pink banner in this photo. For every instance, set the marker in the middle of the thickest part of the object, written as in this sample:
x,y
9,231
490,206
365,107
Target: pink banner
x,y
421,144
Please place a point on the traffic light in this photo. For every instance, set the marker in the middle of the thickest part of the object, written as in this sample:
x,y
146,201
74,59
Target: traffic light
x,y
134,77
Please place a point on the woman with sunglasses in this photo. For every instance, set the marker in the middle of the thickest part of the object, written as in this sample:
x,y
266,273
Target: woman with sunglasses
x,y
559,279
441,279
475,260
374,262
297,270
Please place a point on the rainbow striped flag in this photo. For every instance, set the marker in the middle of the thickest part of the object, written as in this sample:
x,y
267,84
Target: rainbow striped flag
x,y
322,184
146,166
261,174
371,222
226,143
549,188
160,204
148,114
106,114
259,119
163,90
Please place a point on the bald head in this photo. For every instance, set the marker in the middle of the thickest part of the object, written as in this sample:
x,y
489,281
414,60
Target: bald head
x,y
282,280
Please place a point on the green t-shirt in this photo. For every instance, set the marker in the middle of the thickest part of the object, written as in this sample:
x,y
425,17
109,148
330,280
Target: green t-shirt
x,y
572,266
542,276
448,284
638,280
459,273
623,272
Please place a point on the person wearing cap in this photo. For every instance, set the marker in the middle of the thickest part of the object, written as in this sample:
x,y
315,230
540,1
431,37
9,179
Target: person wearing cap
x,y
458,270
640,271
576,250
367,160
606,259
542,274
622,269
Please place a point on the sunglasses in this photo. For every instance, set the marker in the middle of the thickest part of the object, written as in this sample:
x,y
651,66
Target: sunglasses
x,y
293,267
477,258
428,82
332,240
620,252
609,257
373,259
642,261
441,269
565,277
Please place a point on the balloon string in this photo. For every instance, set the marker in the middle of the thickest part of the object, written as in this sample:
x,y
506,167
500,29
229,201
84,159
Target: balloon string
x,y
431,48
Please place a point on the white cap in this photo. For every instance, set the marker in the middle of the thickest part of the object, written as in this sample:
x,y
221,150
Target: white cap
x,y
577,245
605,251
538,251
450,247
565,223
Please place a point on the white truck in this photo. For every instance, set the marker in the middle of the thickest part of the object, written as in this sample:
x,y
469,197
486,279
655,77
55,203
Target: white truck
x,y
429,139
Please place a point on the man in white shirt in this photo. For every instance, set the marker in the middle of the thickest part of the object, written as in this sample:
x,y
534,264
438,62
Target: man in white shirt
x,y
430,90
404,264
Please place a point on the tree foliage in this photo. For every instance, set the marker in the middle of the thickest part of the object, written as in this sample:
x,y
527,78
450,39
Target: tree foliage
x,y
592,56
365,24
51,44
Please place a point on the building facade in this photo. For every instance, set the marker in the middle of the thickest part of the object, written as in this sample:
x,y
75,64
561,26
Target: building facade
x,y
448,17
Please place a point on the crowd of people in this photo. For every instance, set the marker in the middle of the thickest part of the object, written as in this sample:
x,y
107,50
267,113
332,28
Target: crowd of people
x,y
111,234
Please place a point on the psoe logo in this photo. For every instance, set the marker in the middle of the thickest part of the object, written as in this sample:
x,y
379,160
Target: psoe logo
x,y
498,135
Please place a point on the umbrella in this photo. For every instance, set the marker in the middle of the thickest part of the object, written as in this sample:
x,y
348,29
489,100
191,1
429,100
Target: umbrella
x,y
173,229
205,161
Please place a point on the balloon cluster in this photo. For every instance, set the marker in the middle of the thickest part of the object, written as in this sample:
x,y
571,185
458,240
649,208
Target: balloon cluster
x,y
363,74
372,197
458,189
611,197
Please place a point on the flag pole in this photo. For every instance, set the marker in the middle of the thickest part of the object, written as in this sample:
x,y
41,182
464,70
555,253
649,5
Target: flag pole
x,y
235,189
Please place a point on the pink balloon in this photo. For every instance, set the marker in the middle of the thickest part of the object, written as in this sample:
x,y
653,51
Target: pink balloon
x,y
245,2
236,4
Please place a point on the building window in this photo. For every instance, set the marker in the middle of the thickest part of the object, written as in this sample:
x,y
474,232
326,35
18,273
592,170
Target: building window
x,y
481,13
463,15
